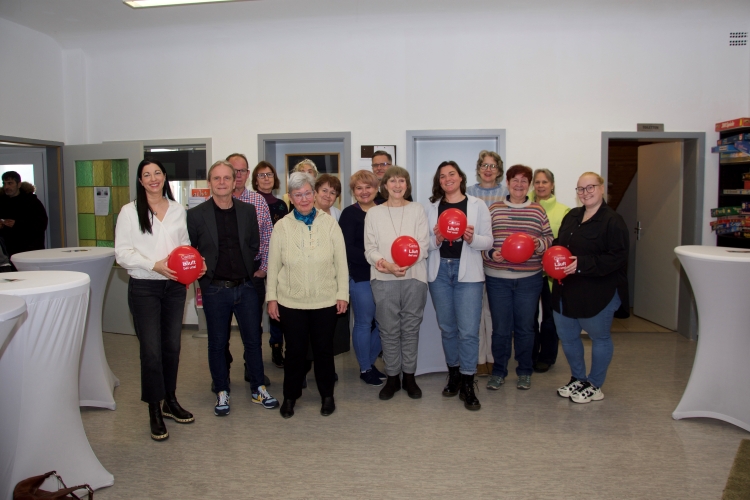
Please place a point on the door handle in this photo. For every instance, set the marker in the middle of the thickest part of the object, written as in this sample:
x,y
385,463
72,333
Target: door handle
x,y
637,230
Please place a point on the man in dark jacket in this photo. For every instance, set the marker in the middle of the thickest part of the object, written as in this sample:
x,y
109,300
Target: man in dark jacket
x,y
23,219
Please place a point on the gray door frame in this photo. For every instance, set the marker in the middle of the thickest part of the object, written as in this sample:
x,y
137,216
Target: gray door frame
x,y
346,160
692,206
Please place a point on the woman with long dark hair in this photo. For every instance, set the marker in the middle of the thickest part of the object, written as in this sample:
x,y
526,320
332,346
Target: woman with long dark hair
x,y
455,276
147,231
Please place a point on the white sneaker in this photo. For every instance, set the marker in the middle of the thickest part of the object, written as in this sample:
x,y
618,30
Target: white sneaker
x,y
587,393
569,388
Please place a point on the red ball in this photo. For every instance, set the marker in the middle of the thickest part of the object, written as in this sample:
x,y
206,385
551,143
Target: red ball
x,y
452,224
405,251
517,248
555,260
186,263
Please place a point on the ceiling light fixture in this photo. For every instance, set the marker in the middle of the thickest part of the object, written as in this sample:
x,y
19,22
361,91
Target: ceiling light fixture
x,y
140,4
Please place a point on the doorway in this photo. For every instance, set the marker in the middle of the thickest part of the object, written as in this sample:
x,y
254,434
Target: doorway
x,y
640,186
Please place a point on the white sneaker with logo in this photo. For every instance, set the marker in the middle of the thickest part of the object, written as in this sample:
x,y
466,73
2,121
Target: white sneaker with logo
x,y
587,393
569,388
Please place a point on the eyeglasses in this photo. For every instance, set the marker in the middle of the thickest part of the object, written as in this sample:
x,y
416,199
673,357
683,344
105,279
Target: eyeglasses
x,y
485,166
380,165
266,175
588,189
302,196
241,171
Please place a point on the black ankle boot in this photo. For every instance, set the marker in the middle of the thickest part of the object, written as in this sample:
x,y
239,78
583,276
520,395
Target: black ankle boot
x,y
328,406
411,387
277,356
170,408
454,382
467,393
287,408
392,385
158,429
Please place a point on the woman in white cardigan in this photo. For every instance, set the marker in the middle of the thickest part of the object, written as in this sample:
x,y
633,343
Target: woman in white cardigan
x,y
456,278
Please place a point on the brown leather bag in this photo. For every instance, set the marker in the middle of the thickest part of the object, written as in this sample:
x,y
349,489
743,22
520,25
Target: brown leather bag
x,y
28,489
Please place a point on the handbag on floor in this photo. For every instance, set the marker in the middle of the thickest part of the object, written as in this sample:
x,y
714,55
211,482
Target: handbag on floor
x,y
28,489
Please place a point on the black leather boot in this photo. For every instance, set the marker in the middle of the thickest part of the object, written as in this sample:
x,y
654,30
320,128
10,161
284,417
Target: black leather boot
x,y
411,387
454,382
277,356
287,408
170,408
158,429
328,406
467,393
391,387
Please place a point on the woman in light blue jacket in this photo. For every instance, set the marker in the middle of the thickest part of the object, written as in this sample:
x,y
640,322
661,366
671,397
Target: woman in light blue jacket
x,y
455,275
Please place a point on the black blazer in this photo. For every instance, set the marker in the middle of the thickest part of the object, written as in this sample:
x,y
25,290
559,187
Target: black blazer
x,y
204,236
602,246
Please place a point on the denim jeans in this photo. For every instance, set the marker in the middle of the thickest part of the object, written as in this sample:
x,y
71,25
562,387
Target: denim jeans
x,y
598,327
513,305
219,304
365,334
545,339
157,307
458,307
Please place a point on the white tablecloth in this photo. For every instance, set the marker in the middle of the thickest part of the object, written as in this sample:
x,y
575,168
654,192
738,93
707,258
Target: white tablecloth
x,y
11,308
96,381
719,382
40,420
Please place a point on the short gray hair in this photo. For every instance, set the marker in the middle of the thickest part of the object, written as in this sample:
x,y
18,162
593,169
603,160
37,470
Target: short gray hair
x,y
298,180
547,173
216,164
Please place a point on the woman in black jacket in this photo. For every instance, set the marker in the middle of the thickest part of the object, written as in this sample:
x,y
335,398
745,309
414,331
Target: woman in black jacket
x,y
595,287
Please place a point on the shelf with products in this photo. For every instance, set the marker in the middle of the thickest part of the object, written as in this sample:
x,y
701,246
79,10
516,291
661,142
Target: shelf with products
x,y
734,189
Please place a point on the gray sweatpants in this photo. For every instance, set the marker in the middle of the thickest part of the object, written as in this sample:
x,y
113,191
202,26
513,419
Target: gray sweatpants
x,y
399,306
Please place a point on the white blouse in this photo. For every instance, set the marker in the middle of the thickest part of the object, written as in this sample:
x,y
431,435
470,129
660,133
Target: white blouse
x,y
138,252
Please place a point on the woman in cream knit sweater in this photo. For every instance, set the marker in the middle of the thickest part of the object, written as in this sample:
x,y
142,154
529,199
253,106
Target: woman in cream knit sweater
x,y
308,284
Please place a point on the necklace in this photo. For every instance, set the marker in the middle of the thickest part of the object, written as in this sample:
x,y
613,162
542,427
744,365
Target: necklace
x,y
394,225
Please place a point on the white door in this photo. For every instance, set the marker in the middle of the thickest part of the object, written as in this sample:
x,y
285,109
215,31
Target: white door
x,y
29,163
657,270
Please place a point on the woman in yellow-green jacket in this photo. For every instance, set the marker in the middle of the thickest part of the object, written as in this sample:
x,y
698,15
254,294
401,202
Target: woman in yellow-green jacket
x,y
544,354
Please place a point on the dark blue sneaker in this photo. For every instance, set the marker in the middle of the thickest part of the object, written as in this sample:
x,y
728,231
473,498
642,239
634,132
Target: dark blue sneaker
x,y
370,378
378,373
222,404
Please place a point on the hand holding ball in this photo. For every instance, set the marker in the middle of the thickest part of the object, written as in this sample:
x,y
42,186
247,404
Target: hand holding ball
x,y
518,248
186,263
555,260
452,224
405,251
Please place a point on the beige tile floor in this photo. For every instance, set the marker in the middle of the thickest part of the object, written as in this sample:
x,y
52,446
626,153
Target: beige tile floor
x,y
635,324
520,445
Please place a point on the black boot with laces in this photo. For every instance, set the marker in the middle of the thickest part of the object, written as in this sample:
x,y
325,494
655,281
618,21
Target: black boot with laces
x,y
467,393
454,382
158,429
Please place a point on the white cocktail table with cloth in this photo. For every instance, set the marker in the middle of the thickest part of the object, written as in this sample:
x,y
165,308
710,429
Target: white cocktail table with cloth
x,y
719,384
96,381
40,420
11,308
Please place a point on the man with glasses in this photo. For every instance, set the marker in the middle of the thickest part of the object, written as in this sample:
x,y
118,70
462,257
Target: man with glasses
x,y
382,161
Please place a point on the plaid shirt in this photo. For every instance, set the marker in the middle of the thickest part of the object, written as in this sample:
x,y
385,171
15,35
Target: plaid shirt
x,y
264,223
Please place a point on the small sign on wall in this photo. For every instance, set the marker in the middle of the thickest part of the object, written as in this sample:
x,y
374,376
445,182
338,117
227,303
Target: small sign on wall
x,y
101,200
650,127
365,156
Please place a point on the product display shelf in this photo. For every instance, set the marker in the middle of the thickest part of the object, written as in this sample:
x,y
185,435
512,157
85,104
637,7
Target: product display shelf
x,y
730,177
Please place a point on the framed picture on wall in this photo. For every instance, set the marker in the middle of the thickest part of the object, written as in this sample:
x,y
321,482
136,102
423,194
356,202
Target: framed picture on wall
x,y
326,163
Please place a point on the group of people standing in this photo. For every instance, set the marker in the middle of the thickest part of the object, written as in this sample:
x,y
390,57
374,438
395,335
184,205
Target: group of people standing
x,y
308,261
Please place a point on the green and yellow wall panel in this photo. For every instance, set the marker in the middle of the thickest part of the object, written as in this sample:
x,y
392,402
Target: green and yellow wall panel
x,y
99,230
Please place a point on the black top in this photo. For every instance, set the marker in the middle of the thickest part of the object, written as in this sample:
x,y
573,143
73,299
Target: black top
x,y
601,245
31,222
230,266
452,249
352,223
276,207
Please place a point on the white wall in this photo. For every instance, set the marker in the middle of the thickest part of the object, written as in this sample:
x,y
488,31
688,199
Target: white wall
x,y
31,93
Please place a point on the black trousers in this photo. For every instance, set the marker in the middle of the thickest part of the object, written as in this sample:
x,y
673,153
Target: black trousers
x,y
303,328
545,338
157,307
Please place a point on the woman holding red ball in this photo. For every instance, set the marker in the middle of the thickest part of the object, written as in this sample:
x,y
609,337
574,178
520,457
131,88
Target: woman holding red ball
x,y
147,231
456,277
513,287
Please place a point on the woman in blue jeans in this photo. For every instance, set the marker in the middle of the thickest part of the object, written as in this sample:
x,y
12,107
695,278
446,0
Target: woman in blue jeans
x,y
365,334
591,292
455,276
513,288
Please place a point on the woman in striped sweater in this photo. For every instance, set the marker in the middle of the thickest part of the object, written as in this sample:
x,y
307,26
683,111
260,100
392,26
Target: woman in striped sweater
x,y
513,289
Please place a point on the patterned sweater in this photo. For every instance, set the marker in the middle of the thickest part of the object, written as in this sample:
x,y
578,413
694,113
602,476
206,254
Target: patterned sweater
x,y
509,218
307,267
